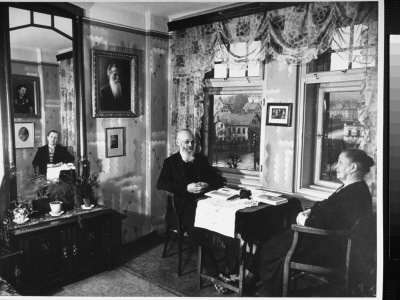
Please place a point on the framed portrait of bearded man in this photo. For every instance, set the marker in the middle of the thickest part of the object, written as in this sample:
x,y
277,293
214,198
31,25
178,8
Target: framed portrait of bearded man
x,y
114,84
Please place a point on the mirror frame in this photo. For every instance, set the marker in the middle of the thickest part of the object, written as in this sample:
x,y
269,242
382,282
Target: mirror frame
x,y
66,10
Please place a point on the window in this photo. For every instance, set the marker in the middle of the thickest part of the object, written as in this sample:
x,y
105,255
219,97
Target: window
x,y
234,139
344,53
249,67
330,124
233,110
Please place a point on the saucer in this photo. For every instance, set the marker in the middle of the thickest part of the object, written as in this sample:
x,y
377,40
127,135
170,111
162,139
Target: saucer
x,y
21,221
87,207
56,214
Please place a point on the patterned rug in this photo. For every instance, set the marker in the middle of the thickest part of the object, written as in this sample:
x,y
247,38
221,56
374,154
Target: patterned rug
x,y
114,283
163,271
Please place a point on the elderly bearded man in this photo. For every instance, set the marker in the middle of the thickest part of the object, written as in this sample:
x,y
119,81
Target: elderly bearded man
x,y
114,96
188,175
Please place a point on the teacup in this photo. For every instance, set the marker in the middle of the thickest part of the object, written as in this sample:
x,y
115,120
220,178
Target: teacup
x,y
55,206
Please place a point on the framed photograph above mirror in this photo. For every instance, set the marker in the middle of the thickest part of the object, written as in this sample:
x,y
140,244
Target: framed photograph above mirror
x,y
24,135
114,84
25,96
115,141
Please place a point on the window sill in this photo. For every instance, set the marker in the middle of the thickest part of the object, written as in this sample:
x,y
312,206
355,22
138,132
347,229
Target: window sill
x,y
241,178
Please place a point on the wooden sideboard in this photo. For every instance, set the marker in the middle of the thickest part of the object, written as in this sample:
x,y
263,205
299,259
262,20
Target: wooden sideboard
x,y
59,249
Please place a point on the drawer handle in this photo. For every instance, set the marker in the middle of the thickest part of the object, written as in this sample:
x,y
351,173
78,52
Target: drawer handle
x,y
74,250
45,248
65,253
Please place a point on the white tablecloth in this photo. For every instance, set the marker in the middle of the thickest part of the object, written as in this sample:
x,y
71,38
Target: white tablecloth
x,y
219,215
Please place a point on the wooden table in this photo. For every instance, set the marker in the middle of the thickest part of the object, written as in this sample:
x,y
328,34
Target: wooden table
x,y
253,225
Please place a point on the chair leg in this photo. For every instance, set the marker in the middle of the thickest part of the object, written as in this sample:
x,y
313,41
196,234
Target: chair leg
x,y
180,241
167,234
199,267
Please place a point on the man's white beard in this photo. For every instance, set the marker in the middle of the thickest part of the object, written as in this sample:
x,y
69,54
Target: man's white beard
x,y
116,89
187,155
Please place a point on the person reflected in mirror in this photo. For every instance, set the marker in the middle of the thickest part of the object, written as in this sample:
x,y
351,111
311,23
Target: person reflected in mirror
x,y
114,96
51,153
351,201
22,104
188,175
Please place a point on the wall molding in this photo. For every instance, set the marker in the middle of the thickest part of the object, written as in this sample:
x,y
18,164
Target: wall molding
x,y
149,33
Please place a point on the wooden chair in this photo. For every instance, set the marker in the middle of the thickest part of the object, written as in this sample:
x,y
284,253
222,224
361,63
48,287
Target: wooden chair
x,y
340,272
174,229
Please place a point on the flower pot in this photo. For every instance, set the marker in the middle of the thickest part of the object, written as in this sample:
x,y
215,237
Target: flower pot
x,y
56,206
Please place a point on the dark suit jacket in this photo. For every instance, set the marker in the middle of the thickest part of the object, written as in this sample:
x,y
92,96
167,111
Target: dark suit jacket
x,y
107,101
41,159
173,178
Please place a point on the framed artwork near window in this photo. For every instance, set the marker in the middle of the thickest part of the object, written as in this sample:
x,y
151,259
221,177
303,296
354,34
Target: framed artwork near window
x,y
279,114
115,141
24,135
115,84
25,96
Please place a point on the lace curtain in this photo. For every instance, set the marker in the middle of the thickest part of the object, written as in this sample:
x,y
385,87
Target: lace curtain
x,y
291,35
68,105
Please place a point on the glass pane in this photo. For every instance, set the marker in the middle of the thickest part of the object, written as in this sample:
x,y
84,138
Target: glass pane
x,y
63,24
236,133
254,69
341,129
237,70
220,71
41,19
19,17
339,61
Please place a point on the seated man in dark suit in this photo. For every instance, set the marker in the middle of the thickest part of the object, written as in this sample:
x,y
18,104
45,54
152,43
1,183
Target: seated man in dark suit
x,y
52,153
188,175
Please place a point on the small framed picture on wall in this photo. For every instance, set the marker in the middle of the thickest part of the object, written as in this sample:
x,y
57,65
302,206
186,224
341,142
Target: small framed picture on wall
x,y
24,135
115,141
279,114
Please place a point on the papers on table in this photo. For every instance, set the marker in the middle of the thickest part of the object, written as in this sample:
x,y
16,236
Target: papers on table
x,y
53,170
224,193
271,200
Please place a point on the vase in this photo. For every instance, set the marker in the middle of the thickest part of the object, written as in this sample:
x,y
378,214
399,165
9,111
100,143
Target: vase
x,y
86,202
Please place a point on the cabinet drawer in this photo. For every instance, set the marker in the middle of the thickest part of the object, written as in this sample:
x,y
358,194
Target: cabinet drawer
x,y
46,256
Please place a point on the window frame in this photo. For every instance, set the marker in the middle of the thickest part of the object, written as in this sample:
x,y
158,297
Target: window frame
x,y
346,78
243,85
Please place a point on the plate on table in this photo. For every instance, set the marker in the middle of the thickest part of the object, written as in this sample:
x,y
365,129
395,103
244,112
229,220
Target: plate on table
x,y
21,221
87,207
53,214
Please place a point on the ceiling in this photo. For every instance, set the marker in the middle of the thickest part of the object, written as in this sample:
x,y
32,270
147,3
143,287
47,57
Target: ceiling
x,y
51,41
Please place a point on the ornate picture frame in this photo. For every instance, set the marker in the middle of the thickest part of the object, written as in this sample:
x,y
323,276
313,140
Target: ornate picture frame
x,y
279,114
25,96
114,98
115,142
24,135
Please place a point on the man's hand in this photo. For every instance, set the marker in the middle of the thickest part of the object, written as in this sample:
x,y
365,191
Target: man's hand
x,y
302,217
196,188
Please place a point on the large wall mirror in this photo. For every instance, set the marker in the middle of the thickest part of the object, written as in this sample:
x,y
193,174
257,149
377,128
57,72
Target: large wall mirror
x,y
45,84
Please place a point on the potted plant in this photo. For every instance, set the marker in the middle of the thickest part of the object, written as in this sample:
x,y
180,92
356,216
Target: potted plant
x,y
85,188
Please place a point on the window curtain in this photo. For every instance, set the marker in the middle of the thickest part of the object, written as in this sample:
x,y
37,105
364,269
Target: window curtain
x,y
291,35
68,105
